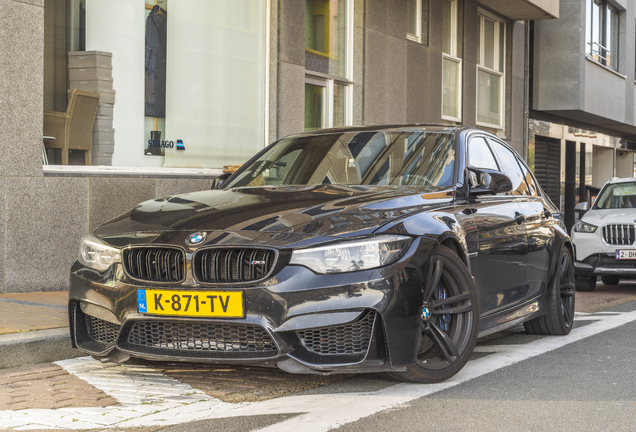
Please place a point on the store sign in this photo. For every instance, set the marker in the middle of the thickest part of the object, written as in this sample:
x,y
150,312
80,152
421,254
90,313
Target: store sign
x,y
165,144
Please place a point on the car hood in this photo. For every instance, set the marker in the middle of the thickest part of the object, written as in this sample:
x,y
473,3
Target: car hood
x,y
325,210
610,216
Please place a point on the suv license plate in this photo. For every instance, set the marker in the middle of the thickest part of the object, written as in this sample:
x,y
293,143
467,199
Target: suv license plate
x,y
226,304
625,254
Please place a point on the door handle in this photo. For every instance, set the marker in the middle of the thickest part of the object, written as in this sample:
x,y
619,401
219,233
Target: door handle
x,y
520,218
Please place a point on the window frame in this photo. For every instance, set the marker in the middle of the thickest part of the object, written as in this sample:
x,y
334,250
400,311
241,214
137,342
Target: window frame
x,y
452,56
418,23
498,52
604,30
520,164
329,81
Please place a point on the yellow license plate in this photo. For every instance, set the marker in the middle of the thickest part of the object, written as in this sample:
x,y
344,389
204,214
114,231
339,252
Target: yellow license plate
x,y
226,304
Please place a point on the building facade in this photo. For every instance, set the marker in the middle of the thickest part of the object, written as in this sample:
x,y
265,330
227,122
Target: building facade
x,y
221,79
582,118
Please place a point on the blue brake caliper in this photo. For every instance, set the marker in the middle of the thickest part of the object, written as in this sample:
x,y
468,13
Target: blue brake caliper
x,y
444,320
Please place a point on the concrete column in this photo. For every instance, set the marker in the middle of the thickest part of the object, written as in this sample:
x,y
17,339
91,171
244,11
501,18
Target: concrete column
x,y
582,173
21,87
570,184
291,68
602,165
624,163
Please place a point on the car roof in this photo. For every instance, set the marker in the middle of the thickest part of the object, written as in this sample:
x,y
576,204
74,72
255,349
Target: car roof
x,y
616,180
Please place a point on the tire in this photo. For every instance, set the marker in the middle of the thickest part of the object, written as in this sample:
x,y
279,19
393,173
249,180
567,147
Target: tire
x,y
560,314
610,280
585,283
448,339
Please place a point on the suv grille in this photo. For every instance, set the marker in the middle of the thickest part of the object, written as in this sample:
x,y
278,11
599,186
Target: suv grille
x,y
155,264
347,339
215,337
618,234
233,264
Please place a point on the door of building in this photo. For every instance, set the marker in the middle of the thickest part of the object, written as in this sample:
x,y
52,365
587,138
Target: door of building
x,y
547,166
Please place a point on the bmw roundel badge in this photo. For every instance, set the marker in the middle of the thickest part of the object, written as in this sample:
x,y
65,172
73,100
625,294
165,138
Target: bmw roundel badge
x,y
196,238
426,313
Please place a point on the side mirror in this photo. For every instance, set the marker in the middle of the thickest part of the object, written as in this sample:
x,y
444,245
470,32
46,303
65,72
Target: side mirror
x,y
217,183
581,207
488,182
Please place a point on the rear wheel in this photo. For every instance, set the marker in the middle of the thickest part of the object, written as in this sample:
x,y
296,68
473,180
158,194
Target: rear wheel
x,y
582,283
449,321
560,316
610,280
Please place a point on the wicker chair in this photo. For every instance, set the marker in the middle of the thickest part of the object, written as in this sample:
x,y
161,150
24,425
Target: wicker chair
x,y
73,129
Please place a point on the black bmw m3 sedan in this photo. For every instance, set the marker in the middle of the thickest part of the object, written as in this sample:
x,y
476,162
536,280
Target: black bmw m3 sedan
x,y
388,249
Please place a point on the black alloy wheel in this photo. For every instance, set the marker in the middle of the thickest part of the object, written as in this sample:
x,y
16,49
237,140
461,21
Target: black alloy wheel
x,y
560,315
449,321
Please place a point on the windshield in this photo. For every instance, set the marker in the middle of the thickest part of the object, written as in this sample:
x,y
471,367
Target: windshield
x,y
355,158
617,196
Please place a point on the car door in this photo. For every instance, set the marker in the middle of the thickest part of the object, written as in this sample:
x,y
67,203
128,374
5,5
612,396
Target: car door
x,y
540,232
499,265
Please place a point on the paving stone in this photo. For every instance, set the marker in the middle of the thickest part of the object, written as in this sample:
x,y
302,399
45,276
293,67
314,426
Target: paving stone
x,y
47,386
241,383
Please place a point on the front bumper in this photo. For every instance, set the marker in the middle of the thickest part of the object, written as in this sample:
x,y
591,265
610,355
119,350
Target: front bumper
x,y
300,321
605,264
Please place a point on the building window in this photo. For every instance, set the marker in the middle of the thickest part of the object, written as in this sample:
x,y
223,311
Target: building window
x,y
602,33
328,63
414,20
168,96
490,71
452,65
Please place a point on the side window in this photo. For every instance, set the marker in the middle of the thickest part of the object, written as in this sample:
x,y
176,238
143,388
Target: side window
x,y
479,154
511,168
532,186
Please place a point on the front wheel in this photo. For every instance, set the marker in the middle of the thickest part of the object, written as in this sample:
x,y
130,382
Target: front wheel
x,y
449,321
560,316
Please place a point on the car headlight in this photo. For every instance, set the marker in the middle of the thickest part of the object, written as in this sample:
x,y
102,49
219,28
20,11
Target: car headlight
x,y
352,256
583,227
97,255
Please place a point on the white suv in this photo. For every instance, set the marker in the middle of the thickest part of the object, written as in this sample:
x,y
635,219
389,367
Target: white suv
x,y
604,237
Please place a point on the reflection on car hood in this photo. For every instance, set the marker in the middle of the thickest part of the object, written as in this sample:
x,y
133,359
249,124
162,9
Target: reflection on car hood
x,y
325,210
610,216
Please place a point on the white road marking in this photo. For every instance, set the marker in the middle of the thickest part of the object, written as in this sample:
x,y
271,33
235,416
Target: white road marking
x,y
149,398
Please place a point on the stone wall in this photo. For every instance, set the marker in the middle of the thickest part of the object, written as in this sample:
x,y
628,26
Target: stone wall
x,y
43,217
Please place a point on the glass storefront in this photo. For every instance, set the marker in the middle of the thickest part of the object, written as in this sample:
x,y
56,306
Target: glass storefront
x,y
182,83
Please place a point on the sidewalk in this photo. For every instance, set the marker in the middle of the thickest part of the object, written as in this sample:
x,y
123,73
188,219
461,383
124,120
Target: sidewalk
x,y
34,326
34,329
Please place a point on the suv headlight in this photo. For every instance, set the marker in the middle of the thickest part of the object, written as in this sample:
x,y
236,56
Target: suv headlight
x,y
352,256
583,227
97,255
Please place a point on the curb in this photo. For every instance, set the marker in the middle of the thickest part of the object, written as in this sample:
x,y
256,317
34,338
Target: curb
x,y
39,346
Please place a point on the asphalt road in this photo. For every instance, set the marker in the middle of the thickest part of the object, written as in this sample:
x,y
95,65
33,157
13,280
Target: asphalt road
x,y
516,382
585,385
